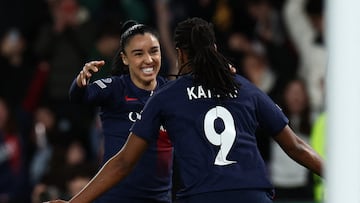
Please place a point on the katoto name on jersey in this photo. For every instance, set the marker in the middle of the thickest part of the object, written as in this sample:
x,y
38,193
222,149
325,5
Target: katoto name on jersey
x,y
198,92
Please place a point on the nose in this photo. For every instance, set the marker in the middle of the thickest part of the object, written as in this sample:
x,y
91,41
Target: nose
x,y
148,59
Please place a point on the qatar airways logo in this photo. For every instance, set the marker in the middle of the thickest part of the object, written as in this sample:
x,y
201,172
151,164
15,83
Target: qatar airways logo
x,y
133,116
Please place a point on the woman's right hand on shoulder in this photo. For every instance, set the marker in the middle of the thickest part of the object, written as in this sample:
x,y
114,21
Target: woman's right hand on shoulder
x,y
87,71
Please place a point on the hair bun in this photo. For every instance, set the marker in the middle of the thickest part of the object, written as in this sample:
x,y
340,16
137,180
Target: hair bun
x,y
127,24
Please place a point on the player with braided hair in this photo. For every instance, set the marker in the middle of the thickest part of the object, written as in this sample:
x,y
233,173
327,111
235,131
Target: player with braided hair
x,y
211,116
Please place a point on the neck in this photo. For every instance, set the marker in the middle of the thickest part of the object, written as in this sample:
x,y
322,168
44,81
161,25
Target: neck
x,y
185,69
146,85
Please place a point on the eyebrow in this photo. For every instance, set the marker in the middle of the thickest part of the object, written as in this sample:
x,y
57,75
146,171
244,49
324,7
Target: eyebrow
x,y
137,50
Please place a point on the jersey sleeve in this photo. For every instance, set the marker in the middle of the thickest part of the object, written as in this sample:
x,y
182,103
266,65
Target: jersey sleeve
x,y
270,116
96,92
148,124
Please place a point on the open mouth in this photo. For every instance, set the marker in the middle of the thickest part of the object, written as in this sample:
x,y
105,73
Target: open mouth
x,y
148,70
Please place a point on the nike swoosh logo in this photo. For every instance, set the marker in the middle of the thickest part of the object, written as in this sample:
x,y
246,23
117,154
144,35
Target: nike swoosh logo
x,y
130,98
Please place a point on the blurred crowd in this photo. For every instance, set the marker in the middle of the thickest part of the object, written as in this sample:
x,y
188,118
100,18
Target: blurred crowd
x,y
50,148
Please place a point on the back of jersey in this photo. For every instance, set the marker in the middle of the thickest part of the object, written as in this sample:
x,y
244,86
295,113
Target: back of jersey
x,y
214,139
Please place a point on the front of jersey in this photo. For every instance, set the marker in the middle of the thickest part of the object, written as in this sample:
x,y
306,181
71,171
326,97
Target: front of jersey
x,y
120,103
214,140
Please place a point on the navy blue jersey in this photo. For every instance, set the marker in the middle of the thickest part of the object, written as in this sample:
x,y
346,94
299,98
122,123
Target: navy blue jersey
x,y
120,103
214,139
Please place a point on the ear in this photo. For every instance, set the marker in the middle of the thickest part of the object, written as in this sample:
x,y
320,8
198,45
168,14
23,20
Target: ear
x,y
124,59
180,55
178,52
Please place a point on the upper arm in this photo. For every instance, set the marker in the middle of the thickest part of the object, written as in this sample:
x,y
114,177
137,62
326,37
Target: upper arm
x,y
287,139
132,150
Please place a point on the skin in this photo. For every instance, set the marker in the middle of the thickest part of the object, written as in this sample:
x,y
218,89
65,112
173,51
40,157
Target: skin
x,y
142,55
122,163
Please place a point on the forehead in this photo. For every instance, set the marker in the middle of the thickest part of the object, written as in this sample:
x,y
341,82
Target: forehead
x,y
142,41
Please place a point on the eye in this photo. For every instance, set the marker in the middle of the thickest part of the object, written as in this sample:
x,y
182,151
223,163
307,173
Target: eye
x,y
138,53
155,51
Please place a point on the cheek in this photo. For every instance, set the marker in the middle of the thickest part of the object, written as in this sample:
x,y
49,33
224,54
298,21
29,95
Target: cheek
x,y
157,59
133,62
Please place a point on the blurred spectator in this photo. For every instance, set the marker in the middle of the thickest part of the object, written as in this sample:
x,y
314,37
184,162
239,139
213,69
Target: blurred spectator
x,y
64,44
268,24
22,81
97,139
292,181
78,176
257,70
269,30
43,137
238,45
304,21
17,66
105,46
69,158
13,182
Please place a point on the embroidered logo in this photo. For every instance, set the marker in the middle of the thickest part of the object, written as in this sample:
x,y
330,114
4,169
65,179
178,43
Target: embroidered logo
x,y
127,98
107,80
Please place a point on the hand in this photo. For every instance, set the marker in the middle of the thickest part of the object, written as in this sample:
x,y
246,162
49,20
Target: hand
x,y
232,69
86,73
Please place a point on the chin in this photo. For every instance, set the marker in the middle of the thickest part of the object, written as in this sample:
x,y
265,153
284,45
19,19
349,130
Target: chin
x,y
149,78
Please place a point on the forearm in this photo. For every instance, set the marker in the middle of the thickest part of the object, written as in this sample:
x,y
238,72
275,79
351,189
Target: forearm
x,y
307,157
299,150
109,175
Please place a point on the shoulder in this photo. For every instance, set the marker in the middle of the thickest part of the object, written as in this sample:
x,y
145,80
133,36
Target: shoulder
x,y
171,84
242,80
248,89
161,80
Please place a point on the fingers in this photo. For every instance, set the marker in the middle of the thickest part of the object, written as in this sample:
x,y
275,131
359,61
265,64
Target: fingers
x,y
233,70
87,71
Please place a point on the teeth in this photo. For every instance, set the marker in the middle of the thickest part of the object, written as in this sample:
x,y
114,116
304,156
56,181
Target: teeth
x,y
148,70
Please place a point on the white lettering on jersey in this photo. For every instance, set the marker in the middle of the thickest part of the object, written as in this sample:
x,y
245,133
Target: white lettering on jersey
x,y
199,92
226,138
133,116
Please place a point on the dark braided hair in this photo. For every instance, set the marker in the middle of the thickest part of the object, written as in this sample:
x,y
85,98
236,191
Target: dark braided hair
x,y
129,29
209,67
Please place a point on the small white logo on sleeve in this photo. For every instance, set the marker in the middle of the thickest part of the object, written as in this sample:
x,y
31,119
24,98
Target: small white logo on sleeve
x,y
100,84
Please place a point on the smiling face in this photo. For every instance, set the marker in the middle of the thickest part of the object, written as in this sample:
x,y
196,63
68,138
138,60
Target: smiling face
x,y
143,56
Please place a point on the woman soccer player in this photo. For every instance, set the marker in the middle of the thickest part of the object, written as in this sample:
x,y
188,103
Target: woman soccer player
x,y
121,98
211,116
